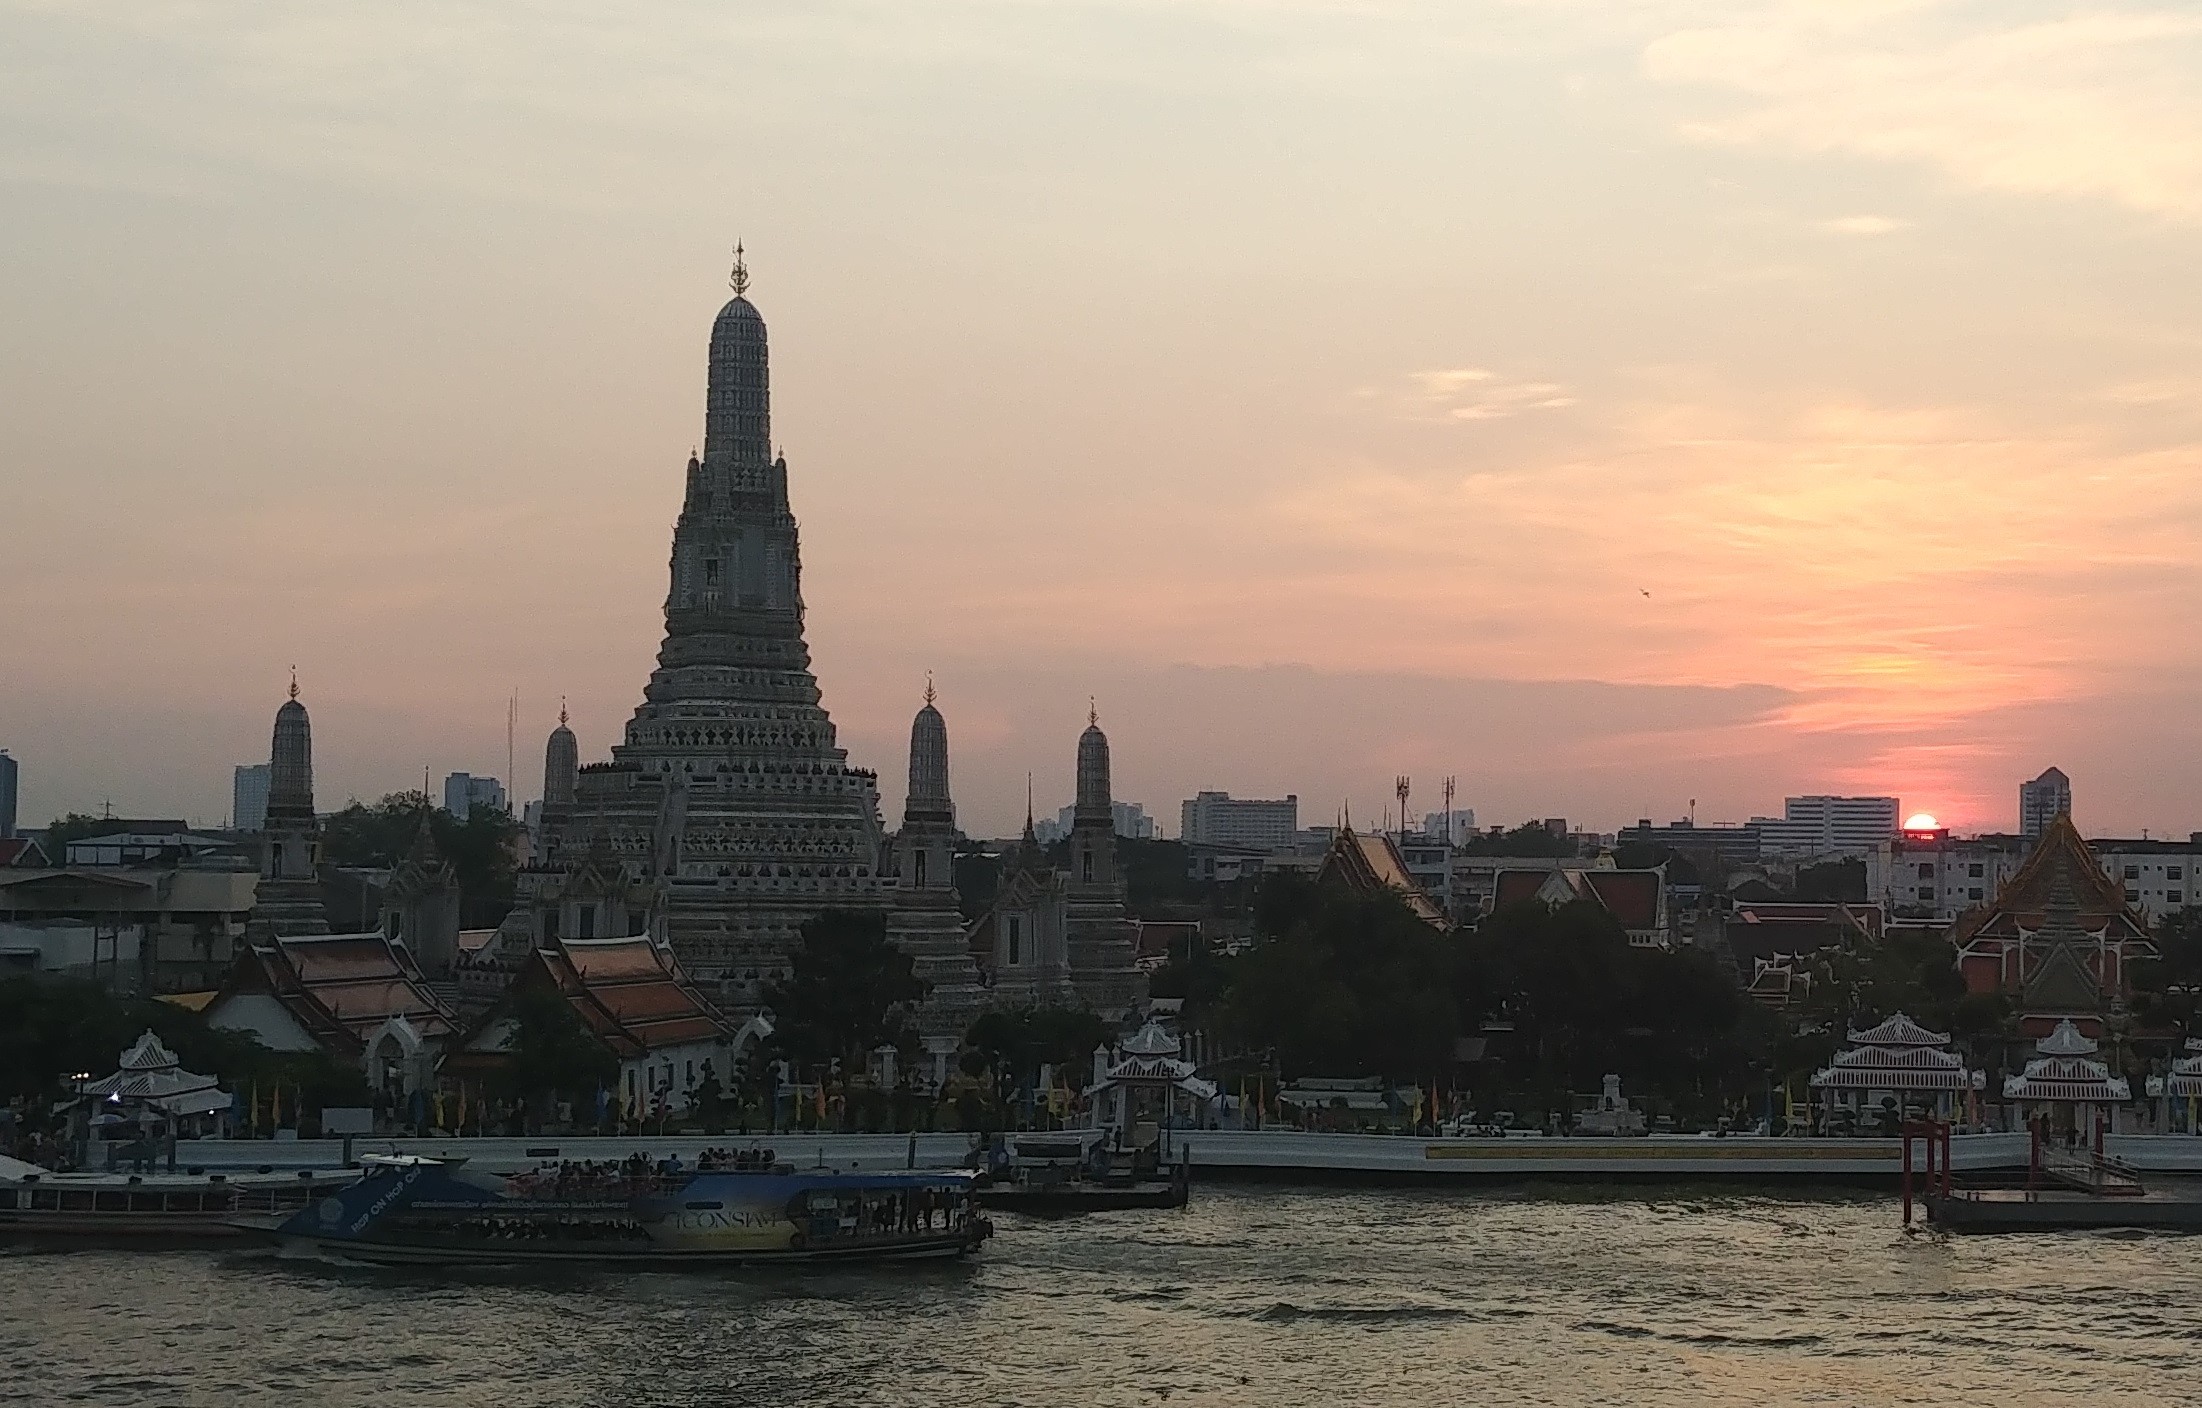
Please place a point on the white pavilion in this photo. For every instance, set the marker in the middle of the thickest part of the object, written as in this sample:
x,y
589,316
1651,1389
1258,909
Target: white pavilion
x,y
152,1081
2179,1093
1899,1059
1147,1088
2066,1084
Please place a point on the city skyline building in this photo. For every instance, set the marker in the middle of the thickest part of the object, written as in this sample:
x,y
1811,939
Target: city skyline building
x,y
2042,801
1820,825
10,789
1132,823
463,792
248,796
1219,819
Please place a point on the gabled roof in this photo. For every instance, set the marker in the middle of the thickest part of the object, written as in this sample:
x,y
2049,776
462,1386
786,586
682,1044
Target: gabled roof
x,y
629,992
341,988
2066,1040
20,851
2062,861
1632,897
1368,864
1899,1030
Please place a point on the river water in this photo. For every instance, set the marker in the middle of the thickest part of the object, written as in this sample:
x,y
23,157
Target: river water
x,y
1252,1296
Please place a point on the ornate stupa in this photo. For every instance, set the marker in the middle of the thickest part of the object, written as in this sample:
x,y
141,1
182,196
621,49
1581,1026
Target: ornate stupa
x,y
729,797
288,899
926,921
1103,963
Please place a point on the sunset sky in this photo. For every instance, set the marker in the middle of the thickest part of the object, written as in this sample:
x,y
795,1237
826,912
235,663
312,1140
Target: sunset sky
x,y
1611,404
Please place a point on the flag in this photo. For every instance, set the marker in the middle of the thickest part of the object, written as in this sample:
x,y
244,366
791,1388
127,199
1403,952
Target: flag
x,y
439,1108
252,1124
275,1107
462,1107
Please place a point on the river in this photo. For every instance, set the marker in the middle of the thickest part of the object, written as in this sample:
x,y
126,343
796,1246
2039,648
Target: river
x,y
1252,1296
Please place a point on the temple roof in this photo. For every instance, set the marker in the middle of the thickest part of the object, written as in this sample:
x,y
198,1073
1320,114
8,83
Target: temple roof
x,y
2067,1078
630,992
1632,897
2066,1040
1899,1030
1369,863
150,1074
2059,872
340,987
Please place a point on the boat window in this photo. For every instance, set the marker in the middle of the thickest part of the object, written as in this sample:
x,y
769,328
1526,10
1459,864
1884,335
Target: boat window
x,y
145,1202
113,1202
45,1198
76,1200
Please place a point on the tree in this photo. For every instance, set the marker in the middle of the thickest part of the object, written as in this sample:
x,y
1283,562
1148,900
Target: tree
x,y
54,1029
1531,838
553,1054
479,848
2168,988
1832,882
1015,1043
850,993
76,826
1582,1003
1343,983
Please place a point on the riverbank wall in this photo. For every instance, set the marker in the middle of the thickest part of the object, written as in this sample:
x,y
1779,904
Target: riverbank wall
x,y
1280,1155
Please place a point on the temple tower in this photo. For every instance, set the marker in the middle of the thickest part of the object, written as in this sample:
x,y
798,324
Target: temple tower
x,y
729,794
288,899
1103,965
561,766
420,904
926,921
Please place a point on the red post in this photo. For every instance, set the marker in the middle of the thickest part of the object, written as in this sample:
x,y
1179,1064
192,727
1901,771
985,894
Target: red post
x,y
2033,1149
1945,1158
2100,1125
1907,1175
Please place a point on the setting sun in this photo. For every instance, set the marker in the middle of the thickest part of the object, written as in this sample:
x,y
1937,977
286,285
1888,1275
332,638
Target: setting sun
x,y
1921,821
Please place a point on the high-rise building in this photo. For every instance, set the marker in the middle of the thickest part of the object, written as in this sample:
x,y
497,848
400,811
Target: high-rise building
x,y
248,797
463,792
2042,801
1132,823
729,814
7,796
1219,819
1451,827
1829,826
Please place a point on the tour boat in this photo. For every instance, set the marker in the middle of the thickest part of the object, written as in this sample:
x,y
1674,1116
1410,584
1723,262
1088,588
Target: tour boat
x,y
411,1210
149,1208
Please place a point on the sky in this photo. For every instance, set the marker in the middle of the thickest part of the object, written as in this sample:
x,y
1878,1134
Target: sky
x,y
1619,406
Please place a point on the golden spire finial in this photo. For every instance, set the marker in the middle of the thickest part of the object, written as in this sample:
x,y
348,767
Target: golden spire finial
x,y
929,689
561,711
1093,712
739,280
294,681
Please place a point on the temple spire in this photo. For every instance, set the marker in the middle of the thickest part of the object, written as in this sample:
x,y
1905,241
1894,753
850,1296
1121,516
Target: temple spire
x,y
561,709
294,681
929,696
739,279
